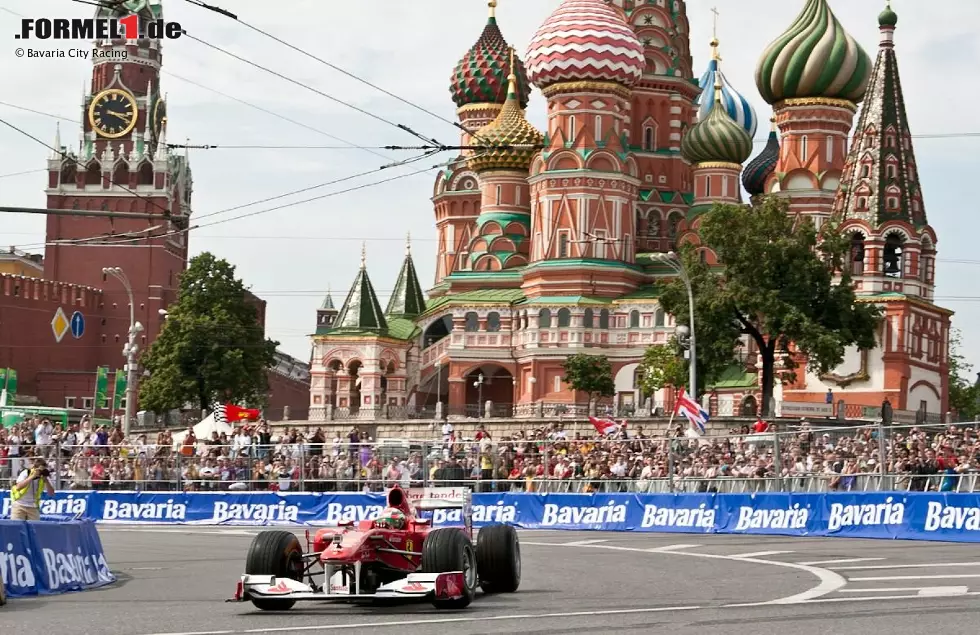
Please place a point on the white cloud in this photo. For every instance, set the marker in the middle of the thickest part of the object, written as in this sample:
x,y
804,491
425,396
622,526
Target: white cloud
x,y
410,48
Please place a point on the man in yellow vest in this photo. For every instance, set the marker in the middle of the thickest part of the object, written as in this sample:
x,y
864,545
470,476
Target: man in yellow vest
x,y
27,490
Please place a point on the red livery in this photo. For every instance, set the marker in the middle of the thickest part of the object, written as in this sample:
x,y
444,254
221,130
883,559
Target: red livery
x,y
396,556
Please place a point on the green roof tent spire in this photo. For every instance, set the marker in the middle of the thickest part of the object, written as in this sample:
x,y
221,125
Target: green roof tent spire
x,y
327,302
361,310
407,300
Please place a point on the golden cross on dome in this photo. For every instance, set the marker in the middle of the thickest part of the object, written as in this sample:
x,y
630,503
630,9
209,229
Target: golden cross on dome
x,y
714,30
493,8
714,36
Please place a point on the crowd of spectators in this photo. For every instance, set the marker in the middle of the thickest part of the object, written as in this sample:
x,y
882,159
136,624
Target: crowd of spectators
x,y
549,458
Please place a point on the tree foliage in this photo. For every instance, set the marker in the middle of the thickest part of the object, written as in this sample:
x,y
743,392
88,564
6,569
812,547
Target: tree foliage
x,y
964,392
781,284
591,374
212,346
662,366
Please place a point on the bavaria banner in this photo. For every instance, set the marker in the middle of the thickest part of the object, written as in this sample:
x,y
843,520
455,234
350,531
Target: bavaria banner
x,y
41,558
907,515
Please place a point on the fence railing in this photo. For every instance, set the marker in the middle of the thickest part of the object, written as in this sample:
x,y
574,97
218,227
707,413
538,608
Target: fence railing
x,y
549,459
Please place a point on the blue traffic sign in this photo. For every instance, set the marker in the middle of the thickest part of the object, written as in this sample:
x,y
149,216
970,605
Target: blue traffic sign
x,y
77,324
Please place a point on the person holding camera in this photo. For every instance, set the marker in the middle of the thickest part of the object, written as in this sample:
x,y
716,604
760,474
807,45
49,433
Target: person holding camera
x,y
26,493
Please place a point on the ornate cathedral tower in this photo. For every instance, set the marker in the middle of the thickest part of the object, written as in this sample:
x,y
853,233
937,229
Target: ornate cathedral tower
x,y
584,184
662,108
122,165
479,89
813,75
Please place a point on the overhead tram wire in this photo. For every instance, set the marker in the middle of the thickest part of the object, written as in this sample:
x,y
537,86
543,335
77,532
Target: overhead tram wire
x,y
225,12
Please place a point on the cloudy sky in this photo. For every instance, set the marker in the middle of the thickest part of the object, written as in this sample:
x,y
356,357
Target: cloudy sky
x,y
292,256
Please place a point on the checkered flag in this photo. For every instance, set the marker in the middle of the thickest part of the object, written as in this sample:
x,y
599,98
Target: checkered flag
x,y
219,414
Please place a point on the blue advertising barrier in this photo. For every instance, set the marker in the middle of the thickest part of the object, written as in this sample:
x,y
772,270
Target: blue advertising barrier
x,y
907,515
46,558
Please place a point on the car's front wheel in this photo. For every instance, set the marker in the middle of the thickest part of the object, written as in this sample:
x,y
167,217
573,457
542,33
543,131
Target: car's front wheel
x,y
446,550
275,553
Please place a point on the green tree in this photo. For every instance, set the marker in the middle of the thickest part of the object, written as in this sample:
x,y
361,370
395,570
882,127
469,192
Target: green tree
x,y
963,392
591,374
212,347
781,284
662,366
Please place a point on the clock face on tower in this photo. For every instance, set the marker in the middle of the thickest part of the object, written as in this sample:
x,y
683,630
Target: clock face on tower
x,y
113,113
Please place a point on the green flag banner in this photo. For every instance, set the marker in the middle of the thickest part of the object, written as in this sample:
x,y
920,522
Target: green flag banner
x,y
102,387
11,381
119,392
3,378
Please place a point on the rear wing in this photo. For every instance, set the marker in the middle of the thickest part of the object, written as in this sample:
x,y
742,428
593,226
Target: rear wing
x,y
429,498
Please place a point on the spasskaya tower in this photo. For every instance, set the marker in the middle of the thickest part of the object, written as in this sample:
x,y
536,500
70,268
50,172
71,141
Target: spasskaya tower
x,y
121,164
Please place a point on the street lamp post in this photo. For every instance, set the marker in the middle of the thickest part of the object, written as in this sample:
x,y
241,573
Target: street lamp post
x,y
130,349
673,261
479,399
438,383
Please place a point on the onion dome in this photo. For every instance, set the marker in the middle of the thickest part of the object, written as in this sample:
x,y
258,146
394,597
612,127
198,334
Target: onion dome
x,y
481,76
815,57
717,138
738,107
758,170
888,17
512,142
585,40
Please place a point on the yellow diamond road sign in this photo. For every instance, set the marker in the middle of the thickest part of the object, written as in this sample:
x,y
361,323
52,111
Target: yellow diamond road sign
x,y
60,325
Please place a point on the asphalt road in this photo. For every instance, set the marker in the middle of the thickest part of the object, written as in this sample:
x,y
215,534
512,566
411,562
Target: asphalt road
x,y
173,582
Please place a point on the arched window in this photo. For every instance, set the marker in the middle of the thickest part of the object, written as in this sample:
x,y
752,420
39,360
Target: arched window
x,y
634,319
544,319
648,139
598,128
564,318
472,322
803,148
857,254
571,129
894,259
660,318
587,319
499,192
604,319
493,322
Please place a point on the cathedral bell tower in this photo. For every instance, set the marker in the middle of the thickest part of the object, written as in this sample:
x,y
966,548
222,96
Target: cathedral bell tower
x,y
121,164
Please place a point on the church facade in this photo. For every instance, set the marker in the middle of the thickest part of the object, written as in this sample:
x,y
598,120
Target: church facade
x,y
551,242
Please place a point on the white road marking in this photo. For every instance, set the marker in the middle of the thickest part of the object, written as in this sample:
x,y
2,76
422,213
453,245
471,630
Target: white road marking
x,y
840,561
937,565
873,598
913,577
447,620
668,548
930,591
195,532
146,569
581,543
759,554
829,581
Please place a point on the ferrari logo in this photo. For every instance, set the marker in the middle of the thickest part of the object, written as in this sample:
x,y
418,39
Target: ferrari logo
x,y
409,545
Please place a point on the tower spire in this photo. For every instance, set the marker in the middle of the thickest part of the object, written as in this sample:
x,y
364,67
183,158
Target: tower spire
x,y
408,244
714,37
363,255
493,9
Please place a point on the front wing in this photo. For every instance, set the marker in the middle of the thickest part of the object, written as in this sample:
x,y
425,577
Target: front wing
x,y
416,586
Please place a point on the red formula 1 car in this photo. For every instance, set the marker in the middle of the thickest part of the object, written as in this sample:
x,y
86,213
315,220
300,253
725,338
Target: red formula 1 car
x,y
397,556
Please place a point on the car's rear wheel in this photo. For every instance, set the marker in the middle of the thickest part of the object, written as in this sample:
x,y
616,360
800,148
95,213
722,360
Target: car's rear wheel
x,y
446,550
498,559
275,553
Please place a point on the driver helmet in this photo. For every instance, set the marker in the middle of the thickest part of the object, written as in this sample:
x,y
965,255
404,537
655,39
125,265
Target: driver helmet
x,y
392,518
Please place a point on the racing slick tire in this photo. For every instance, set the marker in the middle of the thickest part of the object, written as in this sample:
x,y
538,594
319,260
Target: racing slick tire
x,y
447,550
498,559
275,553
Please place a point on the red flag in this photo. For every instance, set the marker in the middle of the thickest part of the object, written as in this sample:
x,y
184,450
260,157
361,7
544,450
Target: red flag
x,y
604,426
237,413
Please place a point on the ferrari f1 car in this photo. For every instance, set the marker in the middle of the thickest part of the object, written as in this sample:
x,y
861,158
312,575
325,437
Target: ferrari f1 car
x,y
397,556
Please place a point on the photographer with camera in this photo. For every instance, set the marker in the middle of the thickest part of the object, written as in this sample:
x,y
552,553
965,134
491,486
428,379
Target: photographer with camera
x,y
26,492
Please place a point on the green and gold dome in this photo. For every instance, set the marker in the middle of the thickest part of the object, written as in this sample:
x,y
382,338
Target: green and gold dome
x,y
480,77
500,136
814,58
717,138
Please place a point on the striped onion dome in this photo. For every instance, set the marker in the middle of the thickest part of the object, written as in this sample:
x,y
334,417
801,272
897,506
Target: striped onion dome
x,y
480,77
585,40
510,128
759,169
815,57
738,107
716,138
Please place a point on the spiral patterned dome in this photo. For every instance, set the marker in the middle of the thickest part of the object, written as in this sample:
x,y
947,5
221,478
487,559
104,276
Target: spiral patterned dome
x,y
509,129
758,170
717,138
815,57
585,40
738,107
480,77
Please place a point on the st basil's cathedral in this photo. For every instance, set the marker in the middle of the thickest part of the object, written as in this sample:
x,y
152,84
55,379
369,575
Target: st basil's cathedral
x,y
550,241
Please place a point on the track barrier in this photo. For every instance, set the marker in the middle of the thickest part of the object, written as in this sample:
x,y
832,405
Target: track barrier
x,y
47,558
939,516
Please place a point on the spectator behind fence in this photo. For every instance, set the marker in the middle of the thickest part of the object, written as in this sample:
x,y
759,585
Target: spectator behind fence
x,y
27,490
